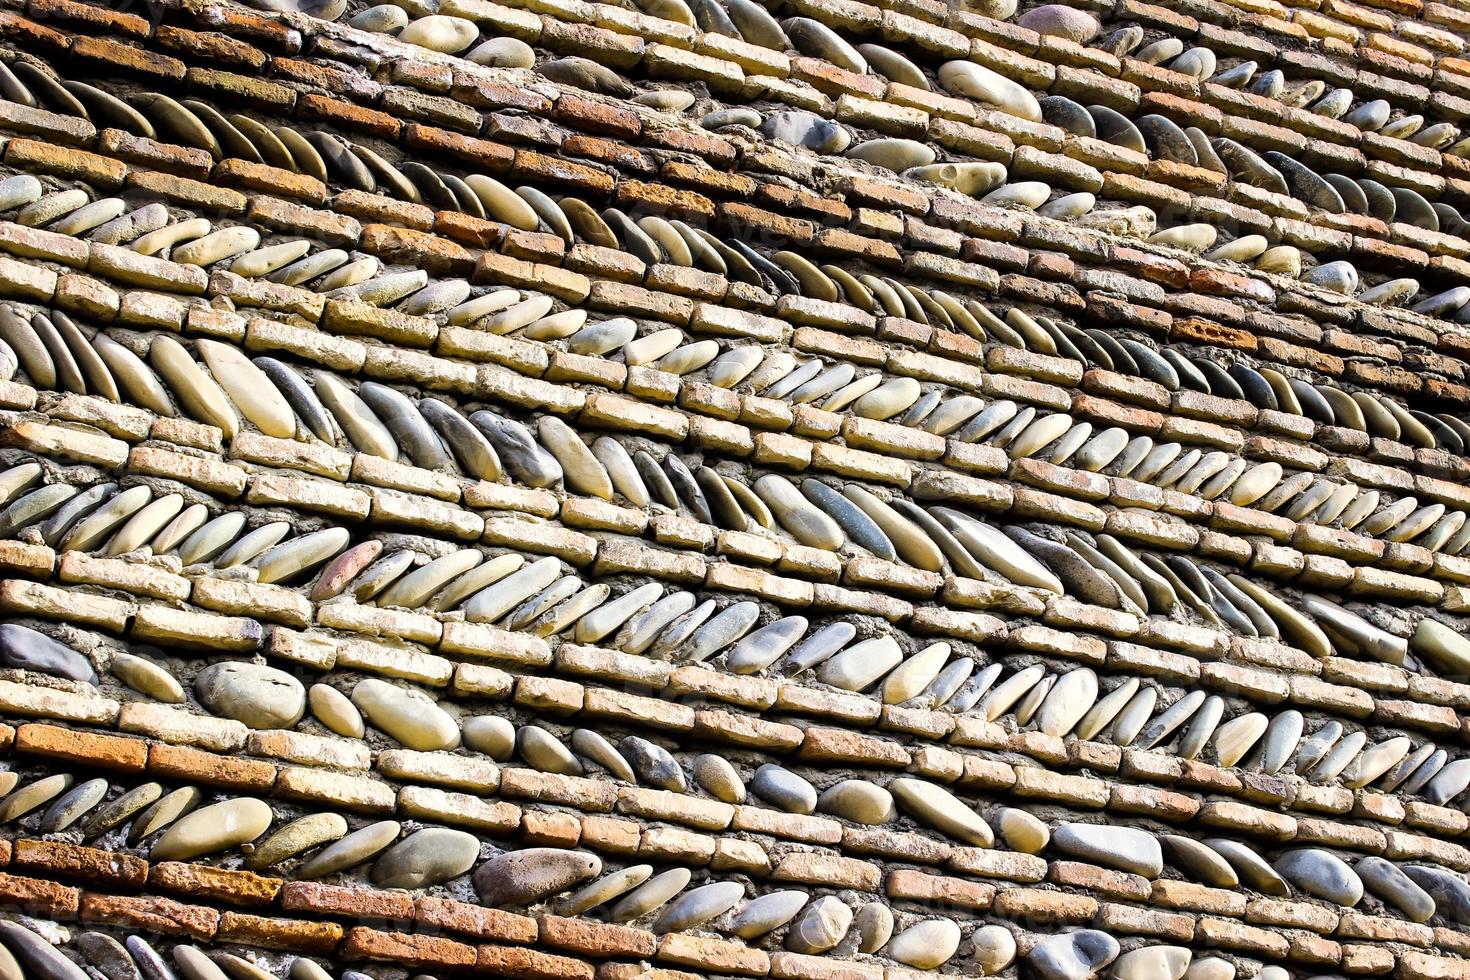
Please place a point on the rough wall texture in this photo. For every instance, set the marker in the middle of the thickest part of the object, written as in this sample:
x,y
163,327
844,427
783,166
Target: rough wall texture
x,y
808,489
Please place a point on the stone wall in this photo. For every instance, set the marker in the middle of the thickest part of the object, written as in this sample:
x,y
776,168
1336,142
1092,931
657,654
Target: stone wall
x,y
828,491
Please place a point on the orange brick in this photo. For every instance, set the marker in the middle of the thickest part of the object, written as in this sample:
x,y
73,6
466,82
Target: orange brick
x,y
218,884
31,34
744,216
74,861
296,935
359,903
417,249
31,896
533,166
529,964
475,920
408,950
34,155
210,46
115,55
109,752
596,117
153,914
351,117
194,765
596,939
491,157
90,14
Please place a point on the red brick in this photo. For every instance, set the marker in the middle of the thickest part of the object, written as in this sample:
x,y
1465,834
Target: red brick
x,y
109,752
596,939
193,765
349,902
488,156
529,964
596,117
611,152
74,861
741,218
210,46
115,56
323,76
31,34
424,952
32,896
296,935
718,151
112,21
475,920
351,117
418,249
216,884
151,914
34,155
534,166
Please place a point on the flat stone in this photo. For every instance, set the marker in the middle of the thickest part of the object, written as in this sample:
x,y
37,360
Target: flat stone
x,y
783,789
406,714
350,851
1125,848
935,807
1072,956
699,905
425,858
767,912
214,828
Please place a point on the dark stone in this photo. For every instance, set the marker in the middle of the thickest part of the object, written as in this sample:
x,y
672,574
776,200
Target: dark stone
x,y
1058,110
22,648
1165,140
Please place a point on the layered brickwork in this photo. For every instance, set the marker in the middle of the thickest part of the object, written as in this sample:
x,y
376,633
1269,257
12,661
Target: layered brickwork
x,y
544,522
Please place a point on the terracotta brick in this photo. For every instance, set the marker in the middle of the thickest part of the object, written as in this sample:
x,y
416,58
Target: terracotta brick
x,y
354,118
537,167
746,222
327,77
33,155
296,935
161,915
596,117
718,151
272,180
217,884
210,46
74,861
115,56
475,920
595,939
485,155
193,765
109,752
31,896
424,952
348,902
30,33
608,151
92,15
417,249
528,964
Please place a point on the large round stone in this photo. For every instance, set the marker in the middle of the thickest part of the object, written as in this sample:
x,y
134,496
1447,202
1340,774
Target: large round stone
x,y
259,696
525,877
212,829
